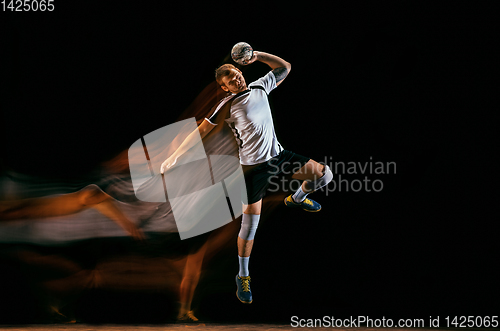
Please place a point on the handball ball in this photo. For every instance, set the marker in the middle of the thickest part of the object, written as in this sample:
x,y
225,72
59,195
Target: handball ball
x,y
241,53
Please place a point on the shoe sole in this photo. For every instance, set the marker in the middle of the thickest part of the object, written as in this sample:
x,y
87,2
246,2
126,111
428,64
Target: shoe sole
x,y
242,300
310,211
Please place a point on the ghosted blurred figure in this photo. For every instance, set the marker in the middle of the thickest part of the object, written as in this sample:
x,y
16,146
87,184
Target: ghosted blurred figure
x,y
68,204
71,238
94,253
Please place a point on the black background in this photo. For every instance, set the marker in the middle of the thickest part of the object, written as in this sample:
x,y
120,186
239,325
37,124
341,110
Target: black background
x,y
408,82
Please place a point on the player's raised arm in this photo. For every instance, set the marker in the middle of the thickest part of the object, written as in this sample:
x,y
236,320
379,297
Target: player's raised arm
x,y
204,128
280,67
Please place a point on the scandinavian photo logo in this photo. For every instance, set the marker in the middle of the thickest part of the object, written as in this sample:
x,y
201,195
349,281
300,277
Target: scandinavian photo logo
x,y
373,173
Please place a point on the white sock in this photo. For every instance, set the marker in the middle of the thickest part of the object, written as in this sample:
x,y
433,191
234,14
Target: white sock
x,y
314,185
300,195
243,266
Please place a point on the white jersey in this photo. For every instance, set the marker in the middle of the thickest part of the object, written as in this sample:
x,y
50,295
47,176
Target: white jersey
x,y
251,121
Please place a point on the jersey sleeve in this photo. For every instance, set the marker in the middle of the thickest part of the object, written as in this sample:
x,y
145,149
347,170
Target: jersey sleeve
x,y
268,82
216,115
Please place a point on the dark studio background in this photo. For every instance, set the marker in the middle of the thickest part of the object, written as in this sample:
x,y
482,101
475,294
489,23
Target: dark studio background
x,y
412,83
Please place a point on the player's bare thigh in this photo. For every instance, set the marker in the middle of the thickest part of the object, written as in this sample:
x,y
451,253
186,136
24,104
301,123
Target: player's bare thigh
x,y
52,206
253,208
312,170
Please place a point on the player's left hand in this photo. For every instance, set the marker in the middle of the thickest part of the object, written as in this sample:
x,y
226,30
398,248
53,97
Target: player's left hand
x,y
168,163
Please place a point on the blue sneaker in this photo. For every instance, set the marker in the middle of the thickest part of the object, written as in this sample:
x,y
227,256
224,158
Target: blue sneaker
x,y
307,204
243,292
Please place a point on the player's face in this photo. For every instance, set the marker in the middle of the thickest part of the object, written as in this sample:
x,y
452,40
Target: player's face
x,y
234,82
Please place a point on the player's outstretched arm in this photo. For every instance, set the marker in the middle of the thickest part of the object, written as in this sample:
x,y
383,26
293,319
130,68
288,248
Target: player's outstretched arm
x,y
280,67
204,128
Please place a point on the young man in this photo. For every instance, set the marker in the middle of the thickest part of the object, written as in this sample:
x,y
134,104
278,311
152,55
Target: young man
x,y
249,117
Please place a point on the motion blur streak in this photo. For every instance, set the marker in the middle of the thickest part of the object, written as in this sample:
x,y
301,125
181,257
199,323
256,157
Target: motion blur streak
x,y
69,237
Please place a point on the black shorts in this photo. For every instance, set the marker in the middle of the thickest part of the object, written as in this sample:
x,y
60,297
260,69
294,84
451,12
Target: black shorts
x,y
258,176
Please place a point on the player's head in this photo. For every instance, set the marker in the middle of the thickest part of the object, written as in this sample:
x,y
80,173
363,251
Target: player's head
x,y
230,78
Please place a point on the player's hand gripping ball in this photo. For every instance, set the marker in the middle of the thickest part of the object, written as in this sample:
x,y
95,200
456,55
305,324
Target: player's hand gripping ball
x,y
242,53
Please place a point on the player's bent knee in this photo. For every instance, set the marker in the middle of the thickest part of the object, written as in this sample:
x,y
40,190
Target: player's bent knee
x,y
316,184
253,208
249,224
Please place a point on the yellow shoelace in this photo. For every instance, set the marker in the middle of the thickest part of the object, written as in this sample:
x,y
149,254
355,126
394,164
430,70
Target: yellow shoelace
x,y
309,202
306,200
245,282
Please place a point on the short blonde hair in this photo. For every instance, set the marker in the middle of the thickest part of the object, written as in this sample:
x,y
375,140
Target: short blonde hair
x,y
222,71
